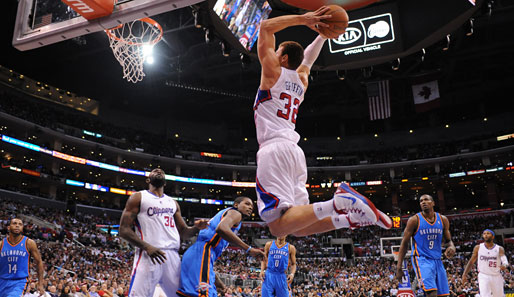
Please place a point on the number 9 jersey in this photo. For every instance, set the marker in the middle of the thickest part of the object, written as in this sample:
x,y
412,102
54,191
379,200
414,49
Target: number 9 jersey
x,y
275,109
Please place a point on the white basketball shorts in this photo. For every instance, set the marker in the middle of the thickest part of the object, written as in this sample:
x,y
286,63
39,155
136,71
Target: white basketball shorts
x,y
490,285
281,178
146,275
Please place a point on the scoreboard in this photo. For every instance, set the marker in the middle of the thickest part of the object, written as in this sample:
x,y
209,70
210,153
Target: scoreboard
x,y
397,222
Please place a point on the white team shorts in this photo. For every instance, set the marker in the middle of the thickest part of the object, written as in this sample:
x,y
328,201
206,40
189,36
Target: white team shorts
x,y
281,179
146,275
490,285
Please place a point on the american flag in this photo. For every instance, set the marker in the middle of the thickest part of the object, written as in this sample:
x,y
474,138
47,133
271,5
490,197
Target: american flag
x,y
43,21
379,100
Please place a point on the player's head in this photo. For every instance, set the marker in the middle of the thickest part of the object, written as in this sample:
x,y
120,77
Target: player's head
x,y
281,238
15,226
426,202
156,178
488,235
290,54
244,205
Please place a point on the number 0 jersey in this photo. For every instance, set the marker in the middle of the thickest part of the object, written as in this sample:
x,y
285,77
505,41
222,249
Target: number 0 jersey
x,y
275,109
428,237
489,260
155,223
278,258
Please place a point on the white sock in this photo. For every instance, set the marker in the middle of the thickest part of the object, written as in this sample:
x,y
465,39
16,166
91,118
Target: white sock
x,y
340,221
323,209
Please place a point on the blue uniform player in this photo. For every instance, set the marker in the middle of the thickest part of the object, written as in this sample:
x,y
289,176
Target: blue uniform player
x,y
15,253
197,277
278,256
428,229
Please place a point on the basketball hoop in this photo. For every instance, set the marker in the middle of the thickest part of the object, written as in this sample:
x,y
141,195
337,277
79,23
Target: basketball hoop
x,y
127,42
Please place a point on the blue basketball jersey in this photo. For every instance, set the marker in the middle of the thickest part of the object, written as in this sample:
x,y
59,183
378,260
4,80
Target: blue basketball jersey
x,y
14,260
428,237
278,258
209,235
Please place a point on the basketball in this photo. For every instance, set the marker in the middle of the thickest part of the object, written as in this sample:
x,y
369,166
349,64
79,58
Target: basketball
x,y
337,23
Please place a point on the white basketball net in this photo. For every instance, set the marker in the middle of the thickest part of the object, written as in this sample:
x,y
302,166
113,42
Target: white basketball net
x,y
127,42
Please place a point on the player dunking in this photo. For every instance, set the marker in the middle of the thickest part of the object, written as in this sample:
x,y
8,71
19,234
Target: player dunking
x,y
159,227
491,258
278,257
427,228
197,277
15,253
283,201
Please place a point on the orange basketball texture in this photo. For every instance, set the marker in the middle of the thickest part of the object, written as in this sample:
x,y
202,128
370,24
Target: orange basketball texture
x,y
312,5
337,23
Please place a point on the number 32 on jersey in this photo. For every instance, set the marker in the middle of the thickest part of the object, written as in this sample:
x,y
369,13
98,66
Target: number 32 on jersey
x,y
290,103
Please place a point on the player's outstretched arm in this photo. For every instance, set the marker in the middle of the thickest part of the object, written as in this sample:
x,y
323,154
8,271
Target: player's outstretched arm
x,y
128,219
270,64
292,263
450,247
224,229
410,229
34,253
471,262
311,53
184,230
264,262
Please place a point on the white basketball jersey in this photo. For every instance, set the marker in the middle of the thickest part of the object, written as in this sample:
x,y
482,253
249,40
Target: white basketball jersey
x,y
489,260
155,223
275,109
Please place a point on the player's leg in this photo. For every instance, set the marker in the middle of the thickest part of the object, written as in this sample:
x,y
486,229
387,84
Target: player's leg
x,y
267,286
283,199
497,283
13,288
426,275
282,287
170,279
191,268
441,278
145,276
484,285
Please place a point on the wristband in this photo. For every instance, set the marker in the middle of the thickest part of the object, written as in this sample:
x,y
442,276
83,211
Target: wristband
x,y
249,248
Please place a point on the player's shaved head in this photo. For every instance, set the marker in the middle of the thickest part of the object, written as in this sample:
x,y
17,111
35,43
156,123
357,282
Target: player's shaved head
x,y
427,196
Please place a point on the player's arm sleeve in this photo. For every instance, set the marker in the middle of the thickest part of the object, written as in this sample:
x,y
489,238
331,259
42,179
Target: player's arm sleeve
x,y
311,53
503,257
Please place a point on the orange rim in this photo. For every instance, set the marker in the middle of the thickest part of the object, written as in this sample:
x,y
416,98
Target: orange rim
x,y
146,20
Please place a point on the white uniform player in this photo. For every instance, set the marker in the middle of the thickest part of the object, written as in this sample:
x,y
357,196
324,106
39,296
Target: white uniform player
x,y
491,259
155,225
152,222
279,157
283,200
490,280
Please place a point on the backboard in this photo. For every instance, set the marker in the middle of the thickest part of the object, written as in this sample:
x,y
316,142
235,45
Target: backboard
x,y
43,22
390,246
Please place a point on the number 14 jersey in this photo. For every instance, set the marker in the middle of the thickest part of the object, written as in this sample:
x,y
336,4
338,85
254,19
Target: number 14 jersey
x,y
275,109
